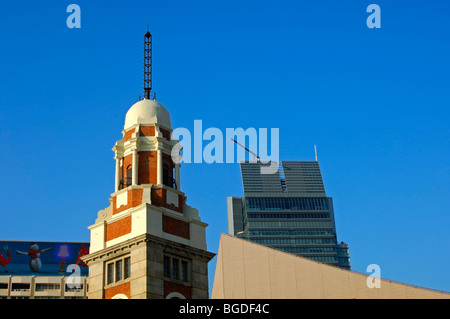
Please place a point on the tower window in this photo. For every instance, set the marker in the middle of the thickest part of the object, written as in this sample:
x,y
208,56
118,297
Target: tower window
x,y
166,266
184,270
118,270
168,176
127,269
110,273
126,177
129,175
176,268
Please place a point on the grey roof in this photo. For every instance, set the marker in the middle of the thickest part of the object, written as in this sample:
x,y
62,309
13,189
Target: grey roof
x,y
294,178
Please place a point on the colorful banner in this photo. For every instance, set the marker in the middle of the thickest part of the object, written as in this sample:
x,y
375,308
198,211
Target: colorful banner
x,y
42,258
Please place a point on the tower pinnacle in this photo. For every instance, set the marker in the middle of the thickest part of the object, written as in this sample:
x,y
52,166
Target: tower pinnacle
x,y
147,64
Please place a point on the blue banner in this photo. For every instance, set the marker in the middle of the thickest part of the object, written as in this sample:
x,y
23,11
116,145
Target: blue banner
x,y
42,258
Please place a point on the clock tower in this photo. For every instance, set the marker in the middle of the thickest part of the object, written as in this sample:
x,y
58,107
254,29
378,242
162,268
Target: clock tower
x,y
148,243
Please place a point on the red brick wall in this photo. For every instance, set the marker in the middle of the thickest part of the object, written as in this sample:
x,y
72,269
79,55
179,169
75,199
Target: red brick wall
x,y
175,227
119,289
174,287
147,131
147,171
129,133
134,199
159,199
118,228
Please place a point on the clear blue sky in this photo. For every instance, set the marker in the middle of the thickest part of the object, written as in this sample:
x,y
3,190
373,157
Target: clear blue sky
x,y
374,101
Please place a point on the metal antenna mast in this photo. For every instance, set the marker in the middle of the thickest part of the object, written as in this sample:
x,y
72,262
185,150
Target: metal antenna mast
x,y
147,64
254,155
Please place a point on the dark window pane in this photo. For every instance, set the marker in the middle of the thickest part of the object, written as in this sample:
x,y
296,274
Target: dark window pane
x,y
175,268
166,266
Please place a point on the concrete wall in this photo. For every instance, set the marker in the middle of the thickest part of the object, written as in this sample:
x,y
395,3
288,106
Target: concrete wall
x,y
250,271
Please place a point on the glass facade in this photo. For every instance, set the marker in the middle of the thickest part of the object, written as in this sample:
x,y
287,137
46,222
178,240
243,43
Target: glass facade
x,y
289,211
289,203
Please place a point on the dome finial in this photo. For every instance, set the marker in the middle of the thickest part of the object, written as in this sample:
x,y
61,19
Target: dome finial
x,y
147,112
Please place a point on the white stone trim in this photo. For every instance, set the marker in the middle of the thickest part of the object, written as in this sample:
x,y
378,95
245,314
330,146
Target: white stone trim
x,y
172,198
121,199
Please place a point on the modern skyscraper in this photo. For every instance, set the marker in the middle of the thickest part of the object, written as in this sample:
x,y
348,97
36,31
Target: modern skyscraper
x,y
289,211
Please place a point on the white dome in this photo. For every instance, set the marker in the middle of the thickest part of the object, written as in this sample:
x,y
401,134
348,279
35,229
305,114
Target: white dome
x,y
147,112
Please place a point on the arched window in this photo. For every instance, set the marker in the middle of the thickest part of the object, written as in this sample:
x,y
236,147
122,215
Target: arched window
x,y
168,179
129,176
175,295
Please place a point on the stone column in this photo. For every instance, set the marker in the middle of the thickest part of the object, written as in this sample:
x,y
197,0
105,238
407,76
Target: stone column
x,y
134,172
117,174
177,175
159,166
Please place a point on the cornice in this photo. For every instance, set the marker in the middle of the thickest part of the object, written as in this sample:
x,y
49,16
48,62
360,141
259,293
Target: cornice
x,y
126,246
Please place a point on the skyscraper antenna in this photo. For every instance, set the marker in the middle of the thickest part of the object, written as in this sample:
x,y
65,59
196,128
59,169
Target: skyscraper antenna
x,y
147,63
315,151
254,154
